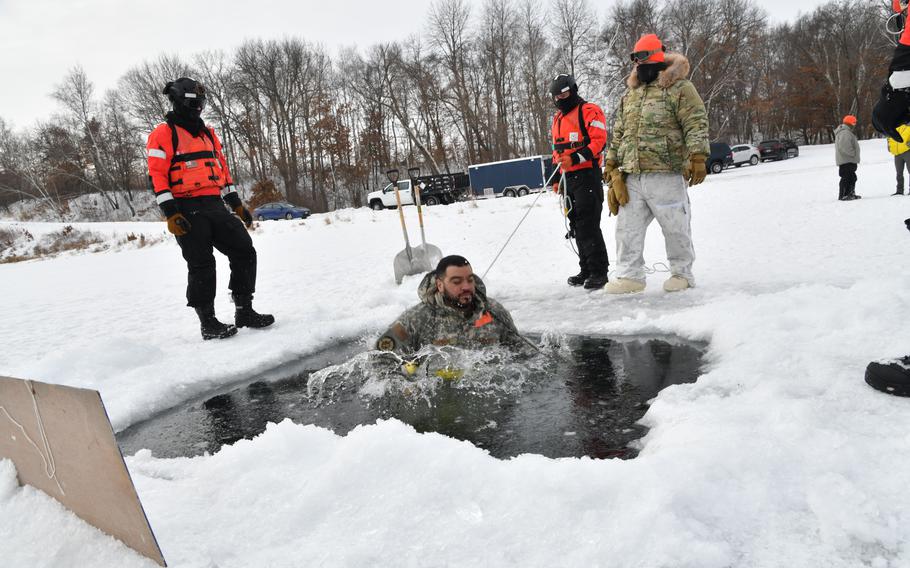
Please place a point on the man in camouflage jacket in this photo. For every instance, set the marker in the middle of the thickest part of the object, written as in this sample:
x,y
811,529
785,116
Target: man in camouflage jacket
x,y
454,310
659,147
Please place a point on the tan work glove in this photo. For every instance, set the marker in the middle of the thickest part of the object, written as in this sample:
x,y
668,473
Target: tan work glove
x,y
618,194
695,172
609,166
178,225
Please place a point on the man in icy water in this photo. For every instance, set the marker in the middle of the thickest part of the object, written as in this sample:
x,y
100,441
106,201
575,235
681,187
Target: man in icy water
x,y
453,311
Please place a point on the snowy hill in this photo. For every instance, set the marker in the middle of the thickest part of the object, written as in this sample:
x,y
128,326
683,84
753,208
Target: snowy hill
x,y
779,455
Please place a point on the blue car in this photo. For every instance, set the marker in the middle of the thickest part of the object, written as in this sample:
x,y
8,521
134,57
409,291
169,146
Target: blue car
x,y
280,210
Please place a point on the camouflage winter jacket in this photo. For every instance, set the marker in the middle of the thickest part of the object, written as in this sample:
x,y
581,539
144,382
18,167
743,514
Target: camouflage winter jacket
x,y
434,322
659,125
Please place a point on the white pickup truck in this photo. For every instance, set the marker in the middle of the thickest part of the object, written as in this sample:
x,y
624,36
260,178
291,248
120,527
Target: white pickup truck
x,y
385,198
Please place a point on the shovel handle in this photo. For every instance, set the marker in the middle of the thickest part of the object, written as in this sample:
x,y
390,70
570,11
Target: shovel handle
x,y
407,242
423,238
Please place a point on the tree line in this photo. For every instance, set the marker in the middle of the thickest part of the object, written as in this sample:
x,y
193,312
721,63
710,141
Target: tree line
x,y
469,86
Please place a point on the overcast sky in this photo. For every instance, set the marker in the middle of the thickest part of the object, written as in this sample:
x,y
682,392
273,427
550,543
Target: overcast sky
x,y
40,40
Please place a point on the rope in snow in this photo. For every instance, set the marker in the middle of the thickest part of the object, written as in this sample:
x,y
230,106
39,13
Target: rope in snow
x,y
47,456
654,268
530,208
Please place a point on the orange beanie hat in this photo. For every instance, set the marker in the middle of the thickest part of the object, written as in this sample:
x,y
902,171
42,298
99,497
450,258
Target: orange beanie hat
x,y
651,43
850,120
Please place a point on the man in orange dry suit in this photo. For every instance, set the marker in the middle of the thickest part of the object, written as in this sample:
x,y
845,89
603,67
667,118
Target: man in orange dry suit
x,y
190,178
579,135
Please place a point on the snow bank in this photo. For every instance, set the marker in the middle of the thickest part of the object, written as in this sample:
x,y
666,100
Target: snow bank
x,y
778,455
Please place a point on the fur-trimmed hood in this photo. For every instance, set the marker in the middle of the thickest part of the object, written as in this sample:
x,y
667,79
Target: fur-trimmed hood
x,y
677,68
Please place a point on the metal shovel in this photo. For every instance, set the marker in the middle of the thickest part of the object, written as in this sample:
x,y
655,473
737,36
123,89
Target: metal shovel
x,y
410,260
432,253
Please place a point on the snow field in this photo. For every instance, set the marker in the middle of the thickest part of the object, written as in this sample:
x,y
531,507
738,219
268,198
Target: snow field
x,y
778,455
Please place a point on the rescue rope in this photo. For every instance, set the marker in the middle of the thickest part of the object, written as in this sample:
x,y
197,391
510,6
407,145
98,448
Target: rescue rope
x,y
654,268
894,25
47,456
530,208
566,206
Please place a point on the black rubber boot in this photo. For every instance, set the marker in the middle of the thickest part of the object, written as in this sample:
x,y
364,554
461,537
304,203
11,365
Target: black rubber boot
x,y
211,327
246,316
891,377
596,282
578,279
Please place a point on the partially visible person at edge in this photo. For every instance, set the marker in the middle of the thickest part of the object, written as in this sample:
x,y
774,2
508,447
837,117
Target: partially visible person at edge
x,y
579,135
453,310
891,112
900,149
190,178
846,155
659,148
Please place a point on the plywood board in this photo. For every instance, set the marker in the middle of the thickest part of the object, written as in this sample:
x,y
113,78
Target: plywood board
x,y
61,441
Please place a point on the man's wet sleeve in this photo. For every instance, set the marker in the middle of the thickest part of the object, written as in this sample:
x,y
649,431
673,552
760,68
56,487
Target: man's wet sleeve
x,y
396,339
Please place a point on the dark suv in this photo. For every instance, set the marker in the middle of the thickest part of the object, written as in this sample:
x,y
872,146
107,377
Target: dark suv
x,y
792,148
721,157
774,150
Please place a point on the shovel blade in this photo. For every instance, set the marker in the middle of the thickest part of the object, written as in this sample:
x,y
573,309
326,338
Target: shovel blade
x,y
431,255
408,262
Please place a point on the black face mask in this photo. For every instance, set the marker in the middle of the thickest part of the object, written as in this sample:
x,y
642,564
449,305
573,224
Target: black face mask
x,y
568,103
188,119
648,72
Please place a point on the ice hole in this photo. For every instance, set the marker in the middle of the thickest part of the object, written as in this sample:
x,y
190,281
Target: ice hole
x,y
579,396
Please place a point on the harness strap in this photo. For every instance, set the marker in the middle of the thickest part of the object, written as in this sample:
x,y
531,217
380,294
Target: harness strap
x,y
194,156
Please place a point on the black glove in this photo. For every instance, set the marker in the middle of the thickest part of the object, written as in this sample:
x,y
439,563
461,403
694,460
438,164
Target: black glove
x,y
907,223
244,215
178,225
891,111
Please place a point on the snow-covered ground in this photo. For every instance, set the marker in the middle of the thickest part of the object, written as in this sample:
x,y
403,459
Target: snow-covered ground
x,y
779,455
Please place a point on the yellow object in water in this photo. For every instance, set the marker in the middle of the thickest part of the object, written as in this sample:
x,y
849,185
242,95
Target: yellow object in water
x,y
449,373
410,367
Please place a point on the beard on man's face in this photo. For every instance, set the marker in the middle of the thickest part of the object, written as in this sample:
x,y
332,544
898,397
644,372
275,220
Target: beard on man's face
x,y
464,301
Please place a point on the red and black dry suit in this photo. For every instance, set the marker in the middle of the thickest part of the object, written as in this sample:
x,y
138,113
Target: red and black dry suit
x,y
190,176
582,134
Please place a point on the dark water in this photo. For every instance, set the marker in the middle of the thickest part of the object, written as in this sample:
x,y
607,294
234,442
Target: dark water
x,y
581,397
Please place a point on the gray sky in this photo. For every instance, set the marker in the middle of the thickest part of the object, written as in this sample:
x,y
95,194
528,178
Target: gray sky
x,y
40,40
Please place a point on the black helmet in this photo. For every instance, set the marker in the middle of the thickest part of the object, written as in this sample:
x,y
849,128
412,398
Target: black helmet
x,y
562,83
187,93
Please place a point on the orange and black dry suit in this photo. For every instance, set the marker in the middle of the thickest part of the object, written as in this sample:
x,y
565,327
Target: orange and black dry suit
x,y
582,134
189,175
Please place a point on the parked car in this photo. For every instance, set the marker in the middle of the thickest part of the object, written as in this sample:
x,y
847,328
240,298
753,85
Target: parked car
x,y
773,150
280,210
792,148
721,157
745,154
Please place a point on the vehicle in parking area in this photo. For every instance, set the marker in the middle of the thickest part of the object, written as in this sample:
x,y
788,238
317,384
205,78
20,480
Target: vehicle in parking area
x,y
745,154
280,210
510,178
385,197
721,157
435,189
792,148
773,150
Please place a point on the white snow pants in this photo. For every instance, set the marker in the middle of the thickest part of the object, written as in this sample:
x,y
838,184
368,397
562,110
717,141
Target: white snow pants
x,y
661,196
